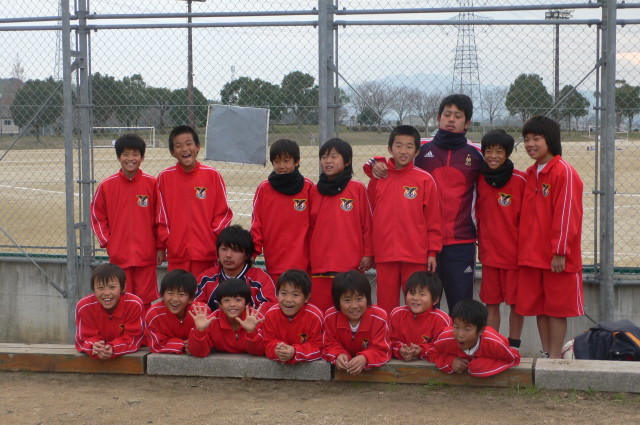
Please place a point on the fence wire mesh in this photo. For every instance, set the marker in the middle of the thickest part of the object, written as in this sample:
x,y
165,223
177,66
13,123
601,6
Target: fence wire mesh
x,y
388,73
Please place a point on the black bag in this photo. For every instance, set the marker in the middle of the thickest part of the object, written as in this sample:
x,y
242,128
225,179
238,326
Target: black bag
x,y
619,340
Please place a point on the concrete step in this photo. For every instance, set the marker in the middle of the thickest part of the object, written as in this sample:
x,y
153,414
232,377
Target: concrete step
x,y
587,375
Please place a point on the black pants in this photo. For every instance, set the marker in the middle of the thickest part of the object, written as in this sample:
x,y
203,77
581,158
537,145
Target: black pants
x,y
456,268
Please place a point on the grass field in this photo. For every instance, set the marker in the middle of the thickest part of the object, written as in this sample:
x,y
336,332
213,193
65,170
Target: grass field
x,y
32,188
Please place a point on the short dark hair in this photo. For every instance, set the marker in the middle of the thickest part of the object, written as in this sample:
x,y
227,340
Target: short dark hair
x,y
351,281
182,129
284,147
237,238
106,272
130,141
179,280
461,101
233,287
471,311
544,126
429,280
405,130
498,137
342,147
298,278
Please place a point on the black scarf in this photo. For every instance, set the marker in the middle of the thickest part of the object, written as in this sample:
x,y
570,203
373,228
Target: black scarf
x,y
499,177
335,185
289,183
449,140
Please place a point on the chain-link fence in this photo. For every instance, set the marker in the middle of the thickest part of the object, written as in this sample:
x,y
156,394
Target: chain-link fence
x,y
515,60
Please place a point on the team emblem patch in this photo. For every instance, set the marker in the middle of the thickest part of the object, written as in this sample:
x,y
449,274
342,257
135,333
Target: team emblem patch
x,y
303,338
467,161
299,204
425,339
143,200
365,343
504,199
201,192
410,192
546,188
346,204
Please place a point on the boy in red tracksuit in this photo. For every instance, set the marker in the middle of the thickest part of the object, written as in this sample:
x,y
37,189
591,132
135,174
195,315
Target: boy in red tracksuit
x,y
109,322
167,323
280,218
123,214
235,247
340,226
471,346
549,250
500,189
292,329
356,334
193,206
416,325
407,229
234,328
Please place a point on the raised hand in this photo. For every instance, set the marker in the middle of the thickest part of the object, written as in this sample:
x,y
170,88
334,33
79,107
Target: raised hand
x,y
251,319
199,315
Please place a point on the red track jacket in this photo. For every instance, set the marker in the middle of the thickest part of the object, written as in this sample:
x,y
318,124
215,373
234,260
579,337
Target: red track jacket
x,y
551,218
421,329
340,229
123,328
371,339
193,211
165,332
123,213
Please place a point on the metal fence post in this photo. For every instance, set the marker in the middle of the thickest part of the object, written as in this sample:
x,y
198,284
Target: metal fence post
x,y
72,277
86,176
326,70
607,160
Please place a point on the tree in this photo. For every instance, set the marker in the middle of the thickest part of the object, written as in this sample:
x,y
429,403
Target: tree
x,y
527,96
425,105
494,102
627,102
245,91
572,105
376,96
38,103
161,101
300,95
367,117
134,98
105,92
402,102
179,100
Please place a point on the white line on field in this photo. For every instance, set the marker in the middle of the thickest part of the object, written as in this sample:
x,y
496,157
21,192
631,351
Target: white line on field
x,y
36,190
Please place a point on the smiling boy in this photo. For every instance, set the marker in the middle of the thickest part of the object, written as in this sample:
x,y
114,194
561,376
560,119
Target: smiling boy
x,y
193,206
109,322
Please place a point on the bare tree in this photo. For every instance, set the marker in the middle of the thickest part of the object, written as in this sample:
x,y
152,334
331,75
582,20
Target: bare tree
x,y
494,102
425,105
375,96
402,102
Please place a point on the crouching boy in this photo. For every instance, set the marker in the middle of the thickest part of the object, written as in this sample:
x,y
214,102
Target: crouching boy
x,y
168,324
109,322
472,346
293,328
356,334
233,328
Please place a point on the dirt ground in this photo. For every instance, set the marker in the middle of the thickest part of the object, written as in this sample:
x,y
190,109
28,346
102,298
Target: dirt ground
x,y
44,398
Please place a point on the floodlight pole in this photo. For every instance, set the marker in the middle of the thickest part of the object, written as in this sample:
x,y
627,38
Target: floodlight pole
x,y
555,15
190,107
326,71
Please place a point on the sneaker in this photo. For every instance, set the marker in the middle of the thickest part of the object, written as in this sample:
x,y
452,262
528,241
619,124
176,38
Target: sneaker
x,y
544,355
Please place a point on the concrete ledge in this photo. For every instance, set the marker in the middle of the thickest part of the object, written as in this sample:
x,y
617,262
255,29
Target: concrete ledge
x,y
65,358
422,372
596,375
222,365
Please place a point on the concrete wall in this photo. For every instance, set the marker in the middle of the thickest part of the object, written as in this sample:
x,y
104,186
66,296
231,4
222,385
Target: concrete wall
x,y
32,311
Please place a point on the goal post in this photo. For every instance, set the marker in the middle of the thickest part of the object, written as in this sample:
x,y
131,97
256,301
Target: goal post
x,y
105,137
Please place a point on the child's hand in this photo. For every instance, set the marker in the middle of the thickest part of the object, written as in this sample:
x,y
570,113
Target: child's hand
x,y
285,352
356,364
460,365
406,353
365,264
97,347
186,346
106,352
380,170
342,361
251,320
558,263
431,264
199,315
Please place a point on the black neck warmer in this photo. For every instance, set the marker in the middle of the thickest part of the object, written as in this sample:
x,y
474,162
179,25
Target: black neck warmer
x,y
499,177
289,184
337,184
449,140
